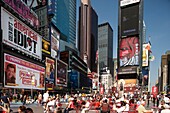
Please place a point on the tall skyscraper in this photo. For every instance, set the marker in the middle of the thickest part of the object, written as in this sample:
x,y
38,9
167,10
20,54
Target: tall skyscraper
x,y
65,19
87,42
105,41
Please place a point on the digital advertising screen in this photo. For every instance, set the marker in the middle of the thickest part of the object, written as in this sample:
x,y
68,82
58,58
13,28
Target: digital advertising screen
x,y
19,73
145,73
129,51
61,78
130,20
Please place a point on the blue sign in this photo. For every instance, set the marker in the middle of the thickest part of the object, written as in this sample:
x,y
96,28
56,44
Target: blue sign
x,y
51,7
74,79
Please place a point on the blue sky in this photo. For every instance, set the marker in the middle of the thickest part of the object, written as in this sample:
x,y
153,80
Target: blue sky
x,y
157,20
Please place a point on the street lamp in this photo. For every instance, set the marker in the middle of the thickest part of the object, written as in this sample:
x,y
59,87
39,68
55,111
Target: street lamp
x,y
32,84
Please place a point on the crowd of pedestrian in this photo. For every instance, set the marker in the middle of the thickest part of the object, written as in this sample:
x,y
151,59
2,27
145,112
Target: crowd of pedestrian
x,y
107,103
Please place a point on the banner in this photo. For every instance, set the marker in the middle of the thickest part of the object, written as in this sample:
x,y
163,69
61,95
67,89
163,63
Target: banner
x,y
129,51
61,78
145,55
22,74
50,71
154,91
18,35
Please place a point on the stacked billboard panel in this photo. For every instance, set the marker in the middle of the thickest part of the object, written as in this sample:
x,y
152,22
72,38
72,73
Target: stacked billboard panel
x,y
61,78
129,40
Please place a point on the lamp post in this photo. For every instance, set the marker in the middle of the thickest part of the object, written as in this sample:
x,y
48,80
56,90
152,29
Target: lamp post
x,y
32,84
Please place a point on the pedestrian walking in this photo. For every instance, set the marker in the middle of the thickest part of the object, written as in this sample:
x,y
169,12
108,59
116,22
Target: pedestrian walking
x,y
5,101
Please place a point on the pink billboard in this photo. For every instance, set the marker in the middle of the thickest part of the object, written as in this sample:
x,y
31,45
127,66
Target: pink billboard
x,y
20,73
23,10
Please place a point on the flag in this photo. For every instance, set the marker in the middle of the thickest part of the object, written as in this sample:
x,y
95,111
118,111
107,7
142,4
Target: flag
x,y
151,58
97,56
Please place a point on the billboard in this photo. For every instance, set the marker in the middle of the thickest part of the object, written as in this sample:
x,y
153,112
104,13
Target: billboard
x,y
61,78
46,46
19,36
74,79
22,74
51,7
50,71
145,73
55,37
23,10
145,55
130,20
129,51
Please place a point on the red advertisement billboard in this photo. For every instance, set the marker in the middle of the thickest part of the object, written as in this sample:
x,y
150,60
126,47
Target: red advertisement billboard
x,y
22,74
129,51
61,78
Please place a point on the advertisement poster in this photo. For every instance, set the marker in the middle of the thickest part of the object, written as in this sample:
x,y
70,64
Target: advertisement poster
x,y
55,36
129,51
23,10
61,78
74,79
130,20
18,35
50,71
22,74
145,73
145,55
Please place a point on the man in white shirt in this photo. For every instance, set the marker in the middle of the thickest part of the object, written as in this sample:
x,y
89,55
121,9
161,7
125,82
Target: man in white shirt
x,y
45,96
166,110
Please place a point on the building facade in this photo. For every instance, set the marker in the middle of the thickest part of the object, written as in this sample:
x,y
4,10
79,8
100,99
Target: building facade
x,y
165,72
65,19
105,42
87,34
106,81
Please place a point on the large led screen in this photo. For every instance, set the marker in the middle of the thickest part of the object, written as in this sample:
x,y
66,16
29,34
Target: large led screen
x,y
61,78
22,74
130,20
129,51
